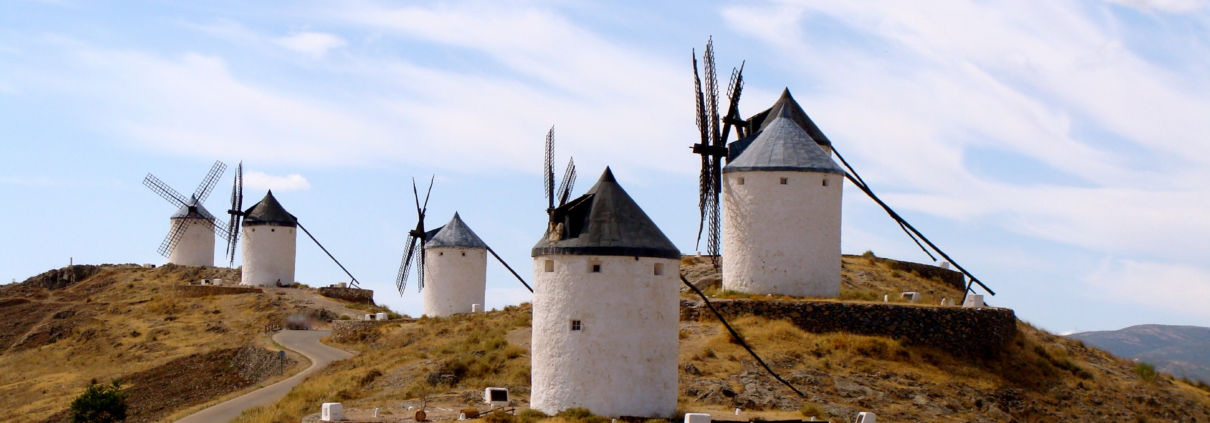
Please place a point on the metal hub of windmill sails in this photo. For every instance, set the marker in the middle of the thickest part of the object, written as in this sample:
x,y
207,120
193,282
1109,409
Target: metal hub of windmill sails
x,y
189,208
714,130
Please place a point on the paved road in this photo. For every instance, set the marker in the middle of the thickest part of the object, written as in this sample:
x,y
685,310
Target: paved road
x,y
305,342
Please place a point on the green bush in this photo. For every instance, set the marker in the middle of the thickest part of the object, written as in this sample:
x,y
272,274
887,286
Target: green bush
x,y
1146,371
581,415
868,254
100,404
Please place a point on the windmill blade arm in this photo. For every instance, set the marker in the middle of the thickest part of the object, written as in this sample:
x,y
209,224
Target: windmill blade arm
x,y
159,187
510,269
548,171
174,236
420,271
401,279
203,190
568,183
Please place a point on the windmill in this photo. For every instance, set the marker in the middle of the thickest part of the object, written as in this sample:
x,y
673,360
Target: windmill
x,y
714,131
457,235
556,197
237,213
191,221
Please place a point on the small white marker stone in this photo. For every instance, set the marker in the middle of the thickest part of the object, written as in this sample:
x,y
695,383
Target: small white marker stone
x,y
866,417
973,301
697,418
475,308
332,412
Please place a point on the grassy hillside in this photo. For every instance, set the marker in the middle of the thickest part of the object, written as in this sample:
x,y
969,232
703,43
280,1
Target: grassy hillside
x,y
443,364
128,322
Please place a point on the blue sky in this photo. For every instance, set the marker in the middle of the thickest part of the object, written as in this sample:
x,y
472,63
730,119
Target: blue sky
x,y
1056,149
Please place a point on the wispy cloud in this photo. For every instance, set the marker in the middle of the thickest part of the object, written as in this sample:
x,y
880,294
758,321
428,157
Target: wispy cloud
x,y
261,180
314,44
1167,286
1171,6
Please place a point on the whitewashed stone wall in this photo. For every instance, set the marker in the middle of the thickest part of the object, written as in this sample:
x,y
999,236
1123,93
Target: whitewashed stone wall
x,y
268,255
454,279
623,361
196,246
782,239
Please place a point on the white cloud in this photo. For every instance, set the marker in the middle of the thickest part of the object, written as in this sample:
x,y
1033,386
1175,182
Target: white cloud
x,y
913,86
261,180
1172,287
1171,6
314,44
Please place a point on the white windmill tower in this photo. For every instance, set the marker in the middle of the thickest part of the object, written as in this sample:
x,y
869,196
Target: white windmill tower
x,y
605,309
781,208
270,244
452,264
190,240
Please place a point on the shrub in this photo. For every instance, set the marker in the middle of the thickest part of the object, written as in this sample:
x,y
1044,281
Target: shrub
x,y
530,416
499,416
812,410
581,415
868,254
100,404
1146,371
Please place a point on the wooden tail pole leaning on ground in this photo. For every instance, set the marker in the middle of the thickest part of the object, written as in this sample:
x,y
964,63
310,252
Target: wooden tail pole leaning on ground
x,y
354,282
856,180
510,269
740,339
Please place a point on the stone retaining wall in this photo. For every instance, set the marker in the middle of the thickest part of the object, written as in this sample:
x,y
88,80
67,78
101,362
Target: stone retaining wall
x,y
363,296
207,290
956,330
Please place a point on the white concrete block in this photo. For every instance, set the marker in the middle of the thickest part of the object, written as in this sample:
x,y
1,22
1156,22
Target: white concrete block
x,y
945,265
912,296
381,316
342,285
475,308
496,397
216,281
369,317
332,412
886,298
973,301
866,417
697,418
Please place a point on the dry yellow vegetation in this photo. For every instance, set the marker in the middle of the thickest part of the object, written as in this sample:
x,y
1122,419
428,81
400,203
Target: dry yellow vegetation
x,y
119,321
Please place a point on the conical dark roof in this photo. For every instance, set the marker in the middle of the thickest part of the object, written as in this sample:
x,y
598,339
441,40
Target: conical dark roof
x,y
268,212
761,120
783,146
455,235
605,221
191,210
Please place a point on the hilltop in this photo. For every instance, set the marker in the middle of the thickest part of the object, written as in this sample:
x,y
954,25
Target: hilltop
x,y
1177,350
444,364
175,346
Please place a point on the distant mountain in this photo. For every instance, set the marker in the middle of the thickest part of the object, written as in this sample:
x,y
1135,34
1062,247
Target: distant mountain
x,y
1177,350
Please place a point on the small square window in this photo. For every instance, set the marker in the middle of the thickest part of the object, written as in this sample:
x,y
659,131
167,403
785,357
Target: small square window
x,y
464,254
575,325
785,181
659,269
442,253
740,181
825,182
596,268
549,265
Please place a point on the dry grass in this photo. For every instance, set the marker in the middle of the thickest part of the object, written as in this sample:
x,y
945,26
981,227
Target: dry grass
x,y
405,361
119,322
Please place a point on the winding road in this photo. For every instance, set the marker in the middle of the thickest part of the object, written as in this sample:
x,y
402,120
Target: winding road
x,y
305,342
